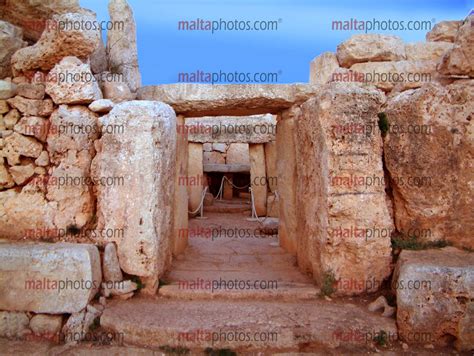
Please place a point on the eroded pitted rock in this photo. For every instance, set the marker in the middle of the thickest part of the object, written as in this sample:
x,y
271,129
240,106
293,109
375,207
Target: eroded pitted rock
x,y
11,40
59,42
435,293
322,67
33,16
427,51
460,59
444,31
122,44
370,48
338,238
141,207
72,128
71,187
427,149
17,145
75,83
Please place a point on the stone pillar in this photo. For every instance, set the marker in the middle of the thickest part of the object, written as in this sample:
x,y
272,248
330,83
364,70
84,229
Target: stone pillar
x,y
195,174
286,174
122,44
140,208
258,178
181,194
271,165
228,189
344,227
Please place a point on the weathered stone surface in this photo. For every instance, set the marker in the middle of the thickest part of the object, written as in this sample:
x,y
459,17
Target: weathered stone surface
x,y
71,189
271,165
11,40
13,324
101,106
322,67
98,58
32,107
43,159
444,31
31,91
227,168
207,147
327,325
435,291
381,303
219,147
180,218
48,278
213,158
143,205
403,74
7,89
33,16
116,91
231,129
238,153
273,208
4,108
26,214
75,84
328,212
72,128
235,99
370,48
122,288
17,145
427,51
122,44
434,150
258,178
11,119
6,180
35,126
195,170
460,59
48,325
59,42
111,267
286,174
21,174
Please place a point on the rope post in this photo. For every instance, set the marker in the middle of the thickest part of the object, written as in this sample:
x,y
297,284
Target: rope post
x,y
201,214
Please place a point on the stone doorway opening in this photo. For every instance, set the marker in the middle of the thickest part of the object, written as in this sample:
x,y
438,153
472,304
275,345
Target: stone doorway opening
x,y
234,250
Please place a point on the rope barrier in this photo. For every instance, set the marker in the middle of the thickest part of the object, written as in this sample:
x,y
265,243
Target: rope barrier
x,y
219,194
200,207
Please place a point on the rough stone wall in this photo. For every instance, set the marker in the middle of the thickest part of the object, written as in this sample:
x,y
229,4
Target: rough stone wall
x,y
337,237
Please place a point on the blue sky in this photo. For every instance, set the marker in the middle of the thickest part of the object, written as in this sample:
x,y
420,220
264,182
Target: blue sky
x,y
304,31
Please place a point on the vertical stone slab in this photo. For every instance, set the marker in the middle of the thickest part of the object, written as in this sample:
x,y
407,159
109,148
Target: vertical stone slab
x,y
344,227
195,172
144,154
271,165
122,44
228,189
286,174
431,163
181,194
257,177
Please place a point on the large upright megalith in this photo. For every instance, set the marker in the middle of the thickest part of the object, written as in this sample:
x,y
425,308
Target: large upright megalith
x,y
143,153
